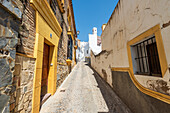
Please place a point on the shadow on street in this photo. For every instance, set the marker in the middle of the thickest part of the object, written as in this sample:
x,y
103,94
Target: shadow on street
x,y
114,103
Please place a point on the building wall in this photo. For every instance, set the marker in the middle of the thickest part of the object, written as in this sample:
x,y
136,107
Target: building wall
x,y
27,31
9,29
83,51
131,20
18,37
62,68
67,29
24,28
93,41
21,98
48,31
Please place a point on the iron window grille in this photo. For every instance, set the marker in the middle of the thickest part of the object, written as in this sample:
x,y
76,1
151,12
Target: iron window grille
x,y
145,58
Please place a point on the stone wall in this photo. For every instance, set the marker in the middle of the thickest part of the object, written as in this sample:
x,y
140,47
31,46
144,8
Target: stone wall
x,y
21,98
27,31
11,12
62,68
17,35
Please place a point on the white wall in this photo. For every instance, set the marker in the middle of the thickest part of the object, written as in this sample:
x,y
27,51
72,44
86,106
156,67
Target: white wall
x,y
130,19
93,42
83,52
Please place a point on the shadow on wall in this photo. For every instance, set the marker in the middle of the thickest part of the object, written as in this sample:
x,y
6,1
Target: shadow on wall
x,y
114,104
137,101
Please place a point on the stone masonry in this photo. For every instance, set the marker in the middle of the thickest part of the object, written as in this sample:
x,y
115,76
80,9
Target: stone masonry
x,y
21,99
10,15
62,68
17,35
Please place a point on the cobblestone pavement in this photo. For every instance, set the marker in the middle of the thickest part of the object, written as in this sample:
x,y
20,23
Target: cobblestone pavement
x,y
84,91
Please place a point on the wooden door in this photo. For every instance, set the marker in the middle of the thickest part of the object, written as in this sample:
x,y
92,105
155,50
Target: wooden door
x,y
45,70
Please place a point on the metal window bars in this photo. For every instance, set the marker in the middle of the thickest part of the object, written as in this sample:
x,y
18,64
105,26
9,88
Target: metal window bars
x,y
147,58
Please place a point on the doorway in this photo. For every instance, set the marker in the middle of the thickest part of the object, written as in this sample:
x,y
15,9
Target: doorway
x,y
45,71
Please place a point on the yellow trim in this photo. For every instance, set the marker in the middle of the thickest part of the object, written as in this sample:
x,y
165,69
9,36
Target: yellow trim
x,y
68,61
164,66
44,9
71,33
157,95
46,24
75,47
61,5
162,57
28,56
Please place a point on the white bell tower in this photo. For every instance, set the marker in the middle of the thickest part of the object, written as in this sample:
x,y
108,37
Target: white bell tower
x,y
94,30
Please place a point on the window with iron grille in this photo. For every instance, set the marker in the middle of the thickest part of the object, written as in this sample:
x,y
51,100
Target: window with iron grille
x,y
145,58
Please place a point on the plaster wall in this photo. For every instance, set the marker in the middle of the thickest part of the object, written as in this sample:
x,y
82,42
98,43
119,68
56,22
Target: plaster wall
x,y
130,19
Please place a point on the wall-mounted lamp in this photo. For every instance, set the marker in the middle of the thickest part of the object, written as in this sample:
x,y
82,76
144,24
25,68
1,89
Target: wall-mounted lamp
x,y
78,32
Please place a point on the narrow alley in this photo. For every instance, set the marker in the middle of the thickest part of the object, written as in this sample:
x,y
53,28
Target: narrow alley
x,y
83,91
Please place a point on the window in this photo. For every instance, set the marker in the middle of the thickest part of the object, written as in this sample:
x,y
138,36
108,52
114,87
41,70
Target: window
x,y
70,47
53,4
145,57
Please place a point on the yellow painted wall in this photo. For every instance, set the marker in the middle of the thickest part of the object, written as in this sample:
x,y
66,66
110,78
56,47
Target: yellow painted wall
x,y
44,27
43,36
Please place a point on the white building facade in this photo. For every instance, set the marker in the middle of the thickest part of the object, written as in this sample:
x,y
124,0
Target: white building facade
x,y
95,42
83,51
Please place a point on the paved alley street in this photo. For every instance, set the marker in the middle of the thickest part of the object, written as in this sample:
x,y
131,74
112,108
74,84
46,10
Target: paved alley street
x,y
84,91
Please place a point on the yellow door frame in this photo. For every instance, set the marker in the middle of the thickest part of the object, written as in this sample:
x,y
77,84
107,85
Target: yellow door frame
x,y
48,31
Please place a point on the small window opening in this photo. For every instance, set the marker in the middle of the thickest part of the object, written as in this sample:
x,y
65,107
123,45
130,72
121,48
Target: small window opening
x,y
145,58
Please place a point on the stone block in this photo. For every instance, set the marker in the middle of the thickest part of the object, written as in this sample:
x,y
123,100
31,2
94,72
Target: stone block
x,y
3,13
6,75
20,105
6,109
11,64
26,104
7,4
17,69
6,80
18,12
22,111
4,100
25,63
12,53
13,43
3,42
11,5
24,77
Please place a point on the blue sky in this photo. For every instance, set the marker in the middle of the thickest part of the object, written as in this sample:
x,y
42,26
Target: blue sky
x,y
91,13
